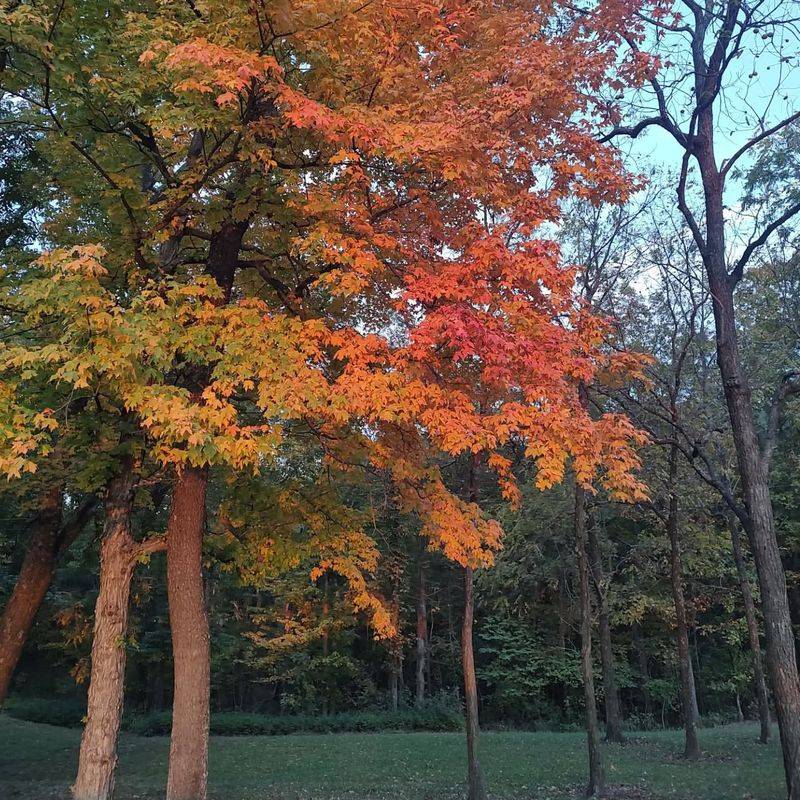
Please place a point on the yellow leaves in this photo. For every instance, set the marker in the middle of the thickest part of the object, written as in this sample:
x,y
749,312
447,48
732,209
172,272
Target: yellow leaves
x,y
344,156
44,420
307,526
24,433
84,260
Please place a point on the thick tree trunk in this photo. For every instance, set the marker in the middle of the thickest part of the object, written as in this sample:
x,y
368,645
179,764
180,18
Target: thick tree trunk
x,y
596,785
422,637
98,753
692,748
610,691
31,587
51,539
759,680
779,636
477,786
793,593
188,754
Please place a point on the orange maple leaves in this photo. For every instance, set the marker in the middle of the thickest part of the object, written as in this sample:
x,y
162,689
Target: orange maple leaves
x,y
395,162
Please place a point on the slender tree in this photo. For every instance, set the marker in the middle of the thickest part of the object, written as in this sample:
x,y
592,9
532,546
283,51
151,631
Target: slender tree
x,y
705,46
692,745
610,689
596,784
759,680
477,784
421,635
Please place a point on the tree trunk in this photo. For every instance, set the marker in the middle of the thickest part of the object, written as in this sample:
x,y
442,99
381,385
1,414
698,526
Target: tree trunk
x,y
477,786
759,680
32,584
394,684
693,683
779,636
422,637
692,749
51,539
596,785
644,670
395,651
563,610
98,753
610,691
326,611
188,754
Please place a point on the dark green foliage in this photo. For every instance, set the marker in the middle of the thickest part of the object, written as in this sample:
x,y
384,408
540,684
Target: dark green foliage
x,y
437,715
525,676
65,713
236,723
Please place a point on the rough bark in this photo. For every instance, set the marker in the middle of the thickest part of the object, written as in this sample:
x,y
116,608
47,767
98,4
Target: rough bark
x,y
610,690
32,584
98,754
422,637
596,784
760,683
692,746
188,754
477,785
51,539
779,636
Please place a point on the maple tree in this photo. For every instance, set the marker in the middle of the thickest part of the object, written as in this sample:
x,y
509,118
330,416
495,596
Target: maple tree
x,y
325,214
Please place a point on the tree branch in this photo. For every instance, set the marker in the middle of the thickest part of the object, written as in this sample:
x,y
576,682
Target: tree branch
x,y
736,274
788,386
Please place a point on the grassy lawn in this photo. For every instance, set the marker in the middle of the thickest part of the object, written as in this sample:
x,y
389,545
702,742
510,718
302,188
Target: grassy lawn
x,y
38,761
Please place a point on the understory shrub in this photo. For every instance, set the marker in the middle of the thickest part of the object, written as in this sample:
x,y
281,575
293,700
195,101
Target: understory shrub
x,y
235,723
66,713
434,716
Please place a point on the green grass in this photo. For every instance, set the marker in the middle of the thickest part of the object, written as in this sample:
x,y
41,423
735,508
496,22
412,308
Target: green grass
x,y
38,761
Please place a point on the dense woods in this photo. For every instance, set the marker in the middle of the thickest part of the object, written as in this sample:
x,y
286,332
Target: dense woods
x,y
421,365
